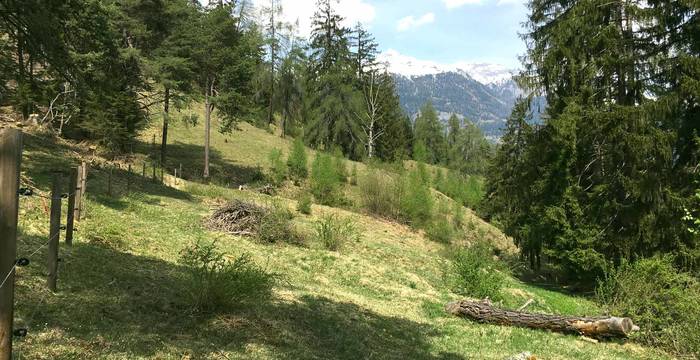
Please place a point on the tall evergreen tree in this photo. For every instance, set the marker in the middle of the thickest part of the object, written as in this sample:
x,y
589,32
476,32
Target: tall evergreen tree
x,y
429,131
613,157
335,100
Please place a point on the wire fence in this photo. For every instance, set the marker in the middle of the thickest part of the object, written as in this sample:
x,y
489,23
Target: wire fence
x,y
9,174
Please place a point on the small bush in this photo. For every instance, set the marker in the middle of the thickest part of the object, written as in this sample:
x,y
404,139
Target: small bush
x,y
379,194
416,201
333,232
297,162
353,175
304,204
278,170
457,215
217,284
662,301
475,273
324,180
467,190
440,231
276,226
339,162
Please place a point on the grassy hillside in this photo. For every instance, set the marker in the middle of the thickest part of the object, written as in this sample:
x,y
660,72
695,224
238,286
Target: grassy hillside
x,y
121,288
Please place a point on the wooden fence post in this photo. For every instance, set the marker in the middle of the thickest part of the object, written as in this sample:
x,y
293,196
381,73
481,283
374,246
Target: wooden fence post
x,y
72,192
83,190
54,232
180,172
10,159
109,182
143,171
78,193
154,171
128,179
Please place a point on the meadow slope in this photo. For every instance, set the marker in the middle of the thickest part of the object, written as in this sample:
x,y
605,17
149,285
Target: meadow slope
x,y
121,286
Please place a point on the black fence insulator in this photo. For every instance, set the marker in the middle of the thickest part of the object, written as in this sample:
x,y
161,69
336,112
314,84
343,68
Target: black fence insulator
x,y
22,262
20,332
59,259
64,196
63,227
25,191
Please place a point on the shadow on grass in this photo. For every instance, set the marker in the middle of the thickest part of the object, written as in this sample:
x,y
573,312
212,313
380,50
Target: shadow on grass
x,y
222,172
115,304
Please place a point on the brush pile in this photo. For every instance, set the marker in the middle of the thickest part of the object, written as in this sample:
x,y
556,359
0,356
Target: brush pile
x,y
238,218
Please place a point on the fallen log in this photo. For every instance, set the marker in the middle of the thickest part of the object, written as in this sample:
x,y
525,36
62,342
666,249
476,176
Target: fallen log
x,y
484,312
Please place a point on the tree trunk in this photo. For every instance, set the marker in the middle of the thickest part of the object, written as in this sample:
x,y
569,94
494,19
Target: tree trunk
x,y
207,125
166,118
24,102
483,312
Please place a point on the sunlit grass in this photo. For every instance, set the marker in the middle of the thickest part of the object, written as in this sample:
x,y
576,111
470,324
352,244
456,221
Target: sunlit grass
x,y
120,286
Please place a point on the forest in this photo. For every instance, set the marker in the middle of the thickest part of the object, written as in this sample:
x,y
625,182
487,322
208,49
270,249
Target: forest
x,y
599,194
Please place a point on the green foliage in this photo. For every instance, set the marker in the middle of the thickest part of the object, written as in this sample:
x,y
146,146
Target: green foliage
x,y
339,164
353,175
324,182
416,200
662,301
276,226
431,145
457,215
380,194
440,230
475,273
334,232
278,169
606,176
297,161
467,190
304,204
215,284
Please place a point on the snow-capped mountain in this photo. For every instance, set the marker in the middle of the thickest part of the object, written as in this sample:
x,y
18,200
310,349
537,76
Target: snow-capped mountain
x,y
483,93
409,67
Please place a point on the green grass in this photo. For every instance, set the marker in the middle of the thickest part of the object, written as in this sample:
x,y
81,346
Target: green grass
x,y
121,292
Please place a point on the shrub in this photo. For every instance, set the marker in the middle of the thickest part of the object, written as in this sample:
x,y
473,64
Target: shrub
x,y
324,180
440,231
468,190
304,204
457,215
339,162
475,273
663,301
416,201
276,226
353,175
379,194
217,284
333,232
277,168
297,162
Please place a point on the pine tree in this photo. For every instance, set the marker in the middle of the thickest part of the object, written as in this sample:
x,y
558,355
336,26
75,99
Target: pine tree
x,y
335,100
430,132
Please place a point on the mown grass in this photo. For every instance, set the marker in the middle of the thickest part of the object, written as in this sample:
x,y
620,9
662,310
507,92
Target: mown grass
x,y
121,290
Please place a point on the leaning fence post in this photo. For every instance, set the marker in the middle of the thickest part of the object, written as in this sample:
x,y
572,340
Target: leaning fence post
x,y
10,159
83,191
54,232
70,217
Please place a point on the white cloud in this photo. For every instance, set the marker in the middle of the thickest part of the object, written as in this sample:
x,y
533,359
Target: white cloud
x,y
303,10
409,22
452,4
482,72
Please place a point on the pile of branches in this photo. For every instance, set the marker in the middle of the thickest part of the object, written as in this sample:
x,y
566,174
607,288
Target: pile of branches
x,y
237,218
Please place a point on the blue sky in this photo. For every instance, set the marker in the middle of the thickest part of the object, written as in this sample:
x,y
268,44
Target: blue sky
x,y
441,32
485,31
